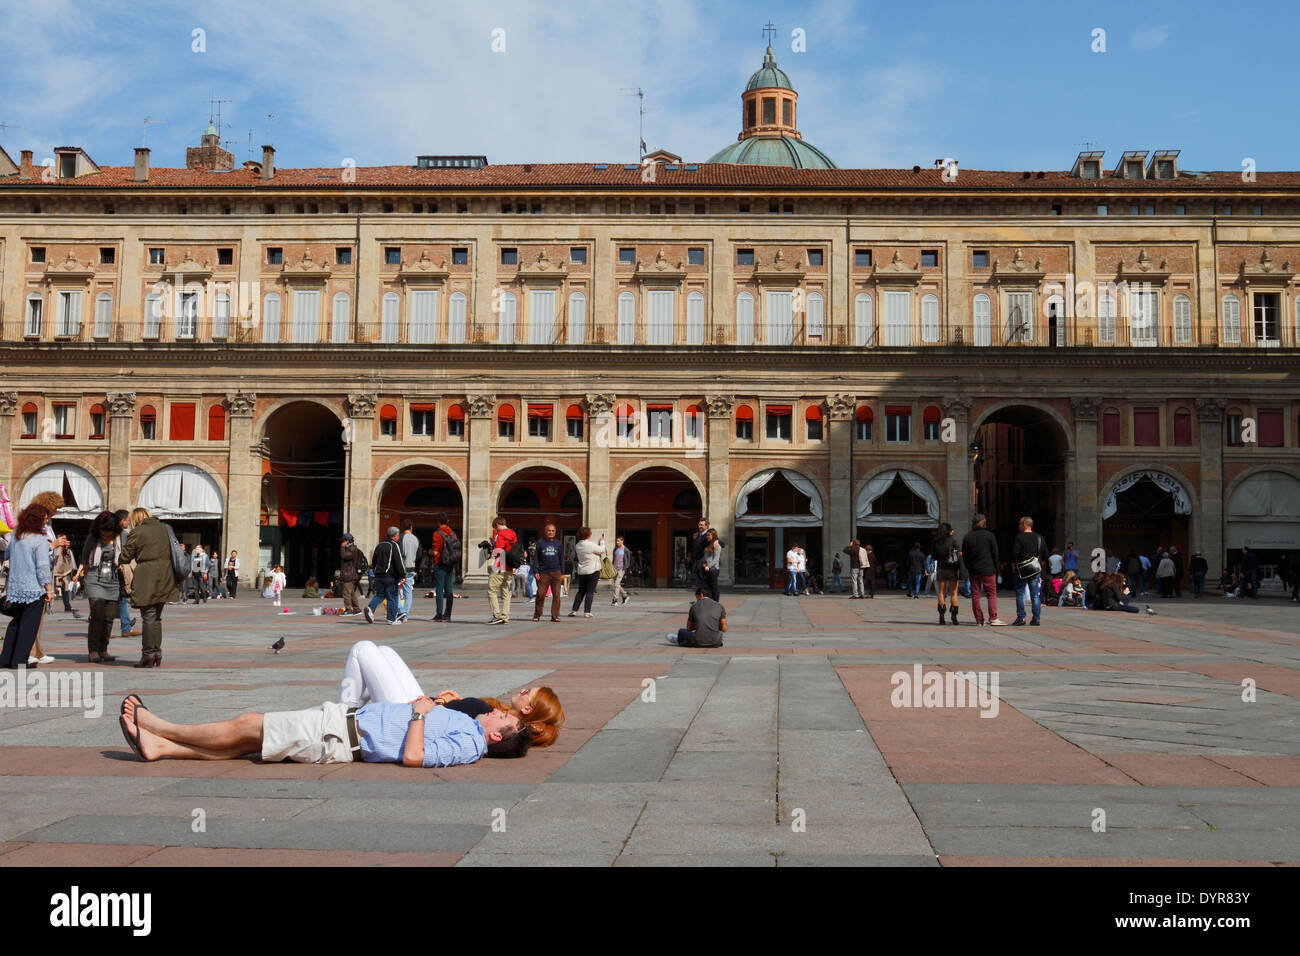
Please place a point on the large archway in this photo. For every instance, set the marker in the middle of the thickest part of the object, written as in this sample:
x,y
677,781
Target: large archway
x,y
190,500
421,493
656,512
1263,514
1144,510
1021,470
775,509
303,478
533,495
893,509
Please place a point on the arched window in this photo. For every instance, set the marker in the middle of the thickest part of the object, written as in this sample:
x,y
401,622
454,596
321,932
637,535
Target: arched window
x,y
1182,320
1231,320
97,421
813,423
35,315
744,423
577,319
103,315
341,318
271,318
221,315
572,500
930,419
388,422
456,422
458,307
573,422
692,423
148,423
982,320
153,316
506,421
626,318
1106,318
816,307
929,318
862,422
506,324
30,414
625,421
744,319
389,317
695,318
863,320
216,423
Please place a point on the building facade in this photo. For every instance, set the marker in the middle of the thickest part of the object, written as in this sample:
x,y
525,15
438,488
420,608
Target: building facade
x,y
798,352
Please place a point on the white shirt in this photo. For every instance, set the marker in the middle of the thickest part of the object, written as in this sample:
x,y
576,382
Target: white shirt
x,y
1054,563
792,560
801,560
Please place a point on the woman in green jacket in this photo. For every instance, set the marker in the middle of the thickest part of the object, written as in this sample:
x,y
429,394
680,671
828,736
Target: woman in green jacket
x,y
153,584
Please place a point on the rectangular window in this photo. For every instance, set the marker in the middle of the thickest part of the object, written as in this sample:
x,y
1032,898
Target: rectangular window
x,y
460,256
695,257
187,315
578,255
38,254
1134,209
744,429
898,423
343,256
786,115
65,418
225,257
1227,209
778,422
814,429
769,109
1182,428
388,428
96,424
929,258
456,428
743,208
156,257
774,208
1180,210
35,309
1110,428
510,257
979,259
1103,209
659,419
1270,428
863,431
107,257
1234,430
744,257
691,425
424,419
539,421
274,256
1146,426
182,422
392,256
627,255
750,114
505,429
1268,308
862,258
930,431
67,321
1257,210
1144,317
573,428
815,257
1148,210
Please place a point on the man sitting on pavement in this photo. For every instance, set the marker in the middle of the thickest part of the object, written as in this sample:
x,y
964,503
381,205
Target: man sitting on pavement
x,y
332,733
705,623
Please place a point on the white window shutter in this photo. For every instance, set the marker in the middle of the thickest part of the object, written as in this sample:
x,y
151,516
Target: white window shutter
x,y
898,318
778,316
626,318
389,317
103,315
1106,318
152,315
306,316
341,319
930,318
271,318
744,319
816,307
577,319
661,306
541,316
863,320
457,311
1182,320
695,318
506,320
424,316
1231,320
982,313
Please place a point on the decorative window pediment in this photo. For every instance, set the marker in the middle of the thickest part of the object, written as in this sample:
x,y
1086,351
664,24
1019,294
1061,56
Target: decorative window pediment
x,y
542,269
188,268
660,271
898,272
69,270
306,269
1143,270
1018,272
423,269
778,272
1266,272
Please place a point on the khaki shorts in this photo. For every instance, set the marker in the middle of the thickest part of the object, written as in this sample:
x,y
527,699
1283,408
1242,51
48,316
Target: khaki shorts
x,y
318,735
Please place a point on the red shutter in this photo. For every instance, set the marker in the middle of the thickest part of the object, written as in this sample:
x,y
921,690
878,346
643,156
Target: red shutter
x,y
1183,428
1146,426
1110,428
1270,428
182,423
216,423
423,407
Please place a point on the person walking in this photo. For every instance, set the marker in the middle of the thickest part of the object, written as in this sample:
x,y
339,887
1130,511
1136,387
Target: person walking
x,y
232,573
387,564
279,580
915,570
855,553
124,603
153,582
836,582
1250,568
199,574
103,584
500,573
619,560
1028,560
410,546
587,571
869,571
791,570
697,552
1199,569
446,559
947,562
550,572
1165,577
352,565
979,549
64,568
30,587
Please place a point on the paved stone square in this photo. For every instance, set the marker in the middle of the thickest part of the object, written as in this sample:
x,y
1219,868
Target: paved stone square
x,y
783,748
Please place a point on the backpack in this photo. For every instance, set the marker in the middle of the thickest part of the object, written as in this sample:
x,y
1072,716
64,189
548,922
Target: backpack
x,y
517,556
362,564
180,560
450,554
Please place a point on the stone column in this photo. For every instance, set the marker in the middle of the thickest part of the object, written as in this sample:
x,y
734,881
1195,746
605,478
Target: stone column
x,y
1207,526
121,411
838,523
359,433
479,507
243,484
8,408
961,474
600,502
1085,518
718,504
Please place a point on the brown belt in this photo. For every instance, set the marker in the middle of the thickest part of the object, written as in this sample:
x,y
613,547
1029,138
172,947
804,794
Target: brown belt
x,y
354,741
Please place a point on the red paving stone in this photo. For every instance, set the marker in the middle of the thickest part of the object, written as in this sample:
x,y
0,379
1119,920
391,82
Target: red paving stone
x,y
220,856
1272,770
956,745
1088,861
1173,770
75,854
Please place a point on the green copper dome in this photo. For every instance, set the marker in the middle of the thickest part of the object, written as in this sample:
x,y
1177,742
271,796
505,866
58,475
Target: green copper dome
x,y
774,151
769,75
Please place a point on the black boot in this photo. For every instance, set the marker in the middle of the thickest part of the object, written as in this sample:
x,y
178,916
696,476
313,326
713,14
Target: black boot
x,y
952,610
941,620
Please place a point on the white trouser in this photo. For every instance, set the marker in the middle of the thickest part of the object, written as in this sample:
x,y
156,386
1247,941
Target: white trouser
x,y
375,673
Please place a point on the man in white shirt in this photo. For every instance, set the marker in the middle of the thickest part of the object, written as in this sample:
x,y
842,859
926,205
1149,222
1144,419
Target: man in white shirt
x,y
792,569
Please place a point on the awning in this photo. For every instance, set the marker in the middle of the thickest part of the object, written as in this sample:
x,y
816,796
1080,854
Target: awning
x,y
541,411
801,484
456,413
744,414
573,412
423,407
506,413
867,516
81,494
181,491
778,409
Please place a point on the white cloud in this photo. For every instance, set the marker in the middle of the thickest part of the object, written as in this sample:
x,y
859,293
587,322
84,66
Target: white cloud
x,y
1148,38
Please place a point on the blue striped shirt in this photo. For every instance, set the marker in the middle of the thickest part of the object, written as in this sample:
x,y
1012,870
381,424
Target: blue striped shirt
x,y
450,738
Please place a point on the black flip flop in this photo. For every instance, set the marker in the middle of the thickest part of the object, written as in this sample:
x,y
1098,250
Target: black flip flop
x,y
138,703
130,741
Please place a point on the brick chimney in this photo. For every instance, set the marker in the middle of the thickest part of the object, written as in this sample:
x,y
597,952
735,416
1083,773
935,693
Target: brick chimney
x,y
25,165
142,164
268,162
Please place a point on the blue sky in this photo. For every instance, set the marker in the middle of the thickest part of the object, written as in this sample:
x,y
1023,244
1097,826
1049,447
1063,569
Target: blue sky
x,y
998,86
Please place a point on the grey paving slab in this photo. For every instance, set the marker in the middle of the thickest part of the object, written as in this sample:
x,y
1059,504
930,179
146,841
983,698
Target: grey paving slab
x,y
851,860
423,790
552,857
621,756
675,860
754,812
1195,844
749,767
831,756
864,804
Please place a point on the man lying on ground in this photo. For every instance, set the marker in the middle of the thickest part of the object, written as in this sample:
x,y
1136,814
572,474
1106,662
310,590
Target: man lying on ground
x,y
332,733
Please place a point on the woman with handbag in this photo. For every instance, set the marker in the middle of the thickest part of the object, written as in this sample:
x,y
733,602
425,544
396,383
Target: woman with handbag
x,y
103,583
947,562
30,588
153,584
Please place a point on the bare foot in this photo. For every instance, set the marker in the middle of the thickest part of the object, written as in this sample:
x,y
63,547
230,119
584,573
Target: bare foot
x,y
146,741
141,717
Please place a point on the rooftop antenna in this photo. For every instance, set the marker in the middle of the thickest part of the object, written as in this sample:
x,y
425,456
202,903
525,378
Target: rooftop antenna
x,y
640,95
144,136
214,115
269,117
250,143
5,126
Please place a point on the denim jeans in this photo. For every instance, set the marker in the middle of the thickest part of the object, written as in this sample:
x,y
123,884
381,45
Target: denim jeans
x,y
444,579
1198,583
914,584
407,592
385,590
1031,588
836,584
124,614
792,585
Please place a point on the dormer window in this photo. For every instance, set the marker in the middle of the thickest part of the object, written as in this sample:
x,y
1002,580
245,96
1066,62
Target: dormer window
x,y
1133,170
1090,170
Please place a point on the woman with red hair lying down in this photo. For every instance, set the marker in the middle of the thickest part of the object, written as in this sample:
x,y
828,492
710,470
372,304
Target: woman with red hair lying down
x,y
379,674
